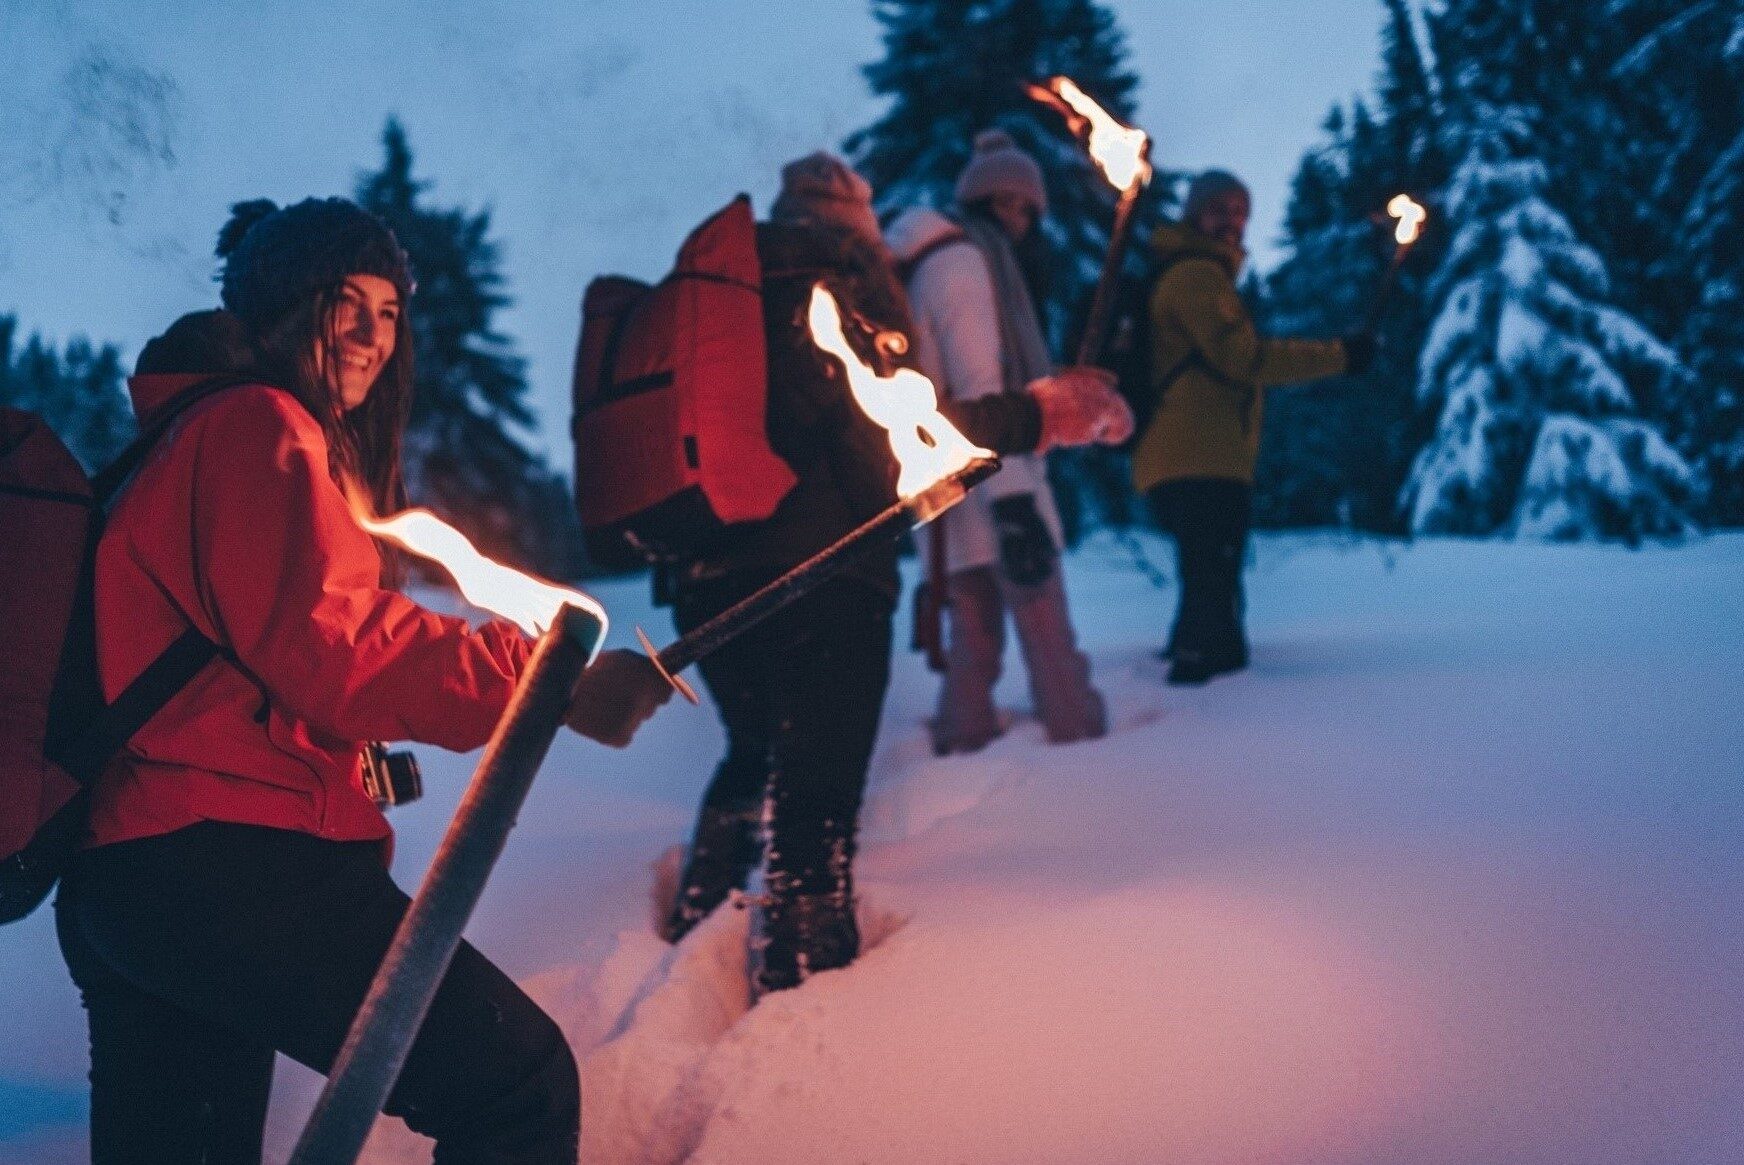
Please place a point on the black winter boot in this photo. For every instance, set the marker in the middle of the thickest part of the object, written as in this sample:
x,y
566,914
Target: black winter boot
x,y
793,937
1193,666
726,848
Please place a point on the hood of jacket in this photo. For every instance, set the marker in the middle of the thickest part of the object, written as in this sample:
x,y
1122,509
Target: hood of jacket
x,y
1174,241
197,347
153,390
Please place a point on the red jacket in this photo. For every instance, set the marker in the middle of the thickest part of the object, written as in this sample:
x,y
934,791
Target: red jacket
x,y
234,525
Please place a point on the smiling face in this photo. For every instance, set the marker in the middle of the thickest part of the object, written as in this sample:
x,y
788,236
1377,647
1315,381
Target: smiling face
x,y
363,329
1224,217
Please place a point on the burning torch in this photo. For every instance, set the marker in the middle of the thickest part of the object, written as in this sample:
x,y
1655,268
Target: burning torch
x,y
938,468
1410,217
570,626
1122,154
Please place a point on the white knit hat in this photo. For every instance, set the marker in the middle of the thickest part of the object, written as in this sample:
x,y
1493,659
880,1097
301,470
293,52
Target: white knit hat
x,y
1000,167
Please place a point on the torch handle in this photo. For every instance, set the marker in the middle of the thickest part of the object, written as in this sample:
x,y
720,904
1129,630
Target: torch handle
x,y
789,588
1384,291
382,1032
887,526
1102,302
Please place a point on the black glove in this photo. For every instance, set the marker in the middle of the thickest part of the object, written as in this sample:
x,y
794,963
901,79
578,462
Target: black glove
x,y
1359,352
615,696
1026,549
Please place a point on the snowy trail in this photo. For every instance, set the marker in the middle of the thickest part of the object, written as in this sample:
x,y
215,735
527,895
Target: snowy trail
x,y
1453,875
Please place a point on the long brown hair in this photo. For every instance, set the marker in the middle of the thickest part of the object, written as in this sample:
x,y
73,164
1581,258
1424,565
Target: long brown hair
x,y
363,444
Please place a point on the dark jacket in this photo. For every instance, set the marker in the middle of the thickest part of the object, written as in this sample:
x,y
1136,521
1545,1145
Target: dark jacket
x,y
842,458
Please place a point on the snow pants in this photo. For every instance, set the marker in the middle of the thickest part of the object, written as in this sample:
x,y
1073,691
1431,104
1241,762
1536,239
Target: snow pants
x,y
1069,707
800,696
200,953
1209,520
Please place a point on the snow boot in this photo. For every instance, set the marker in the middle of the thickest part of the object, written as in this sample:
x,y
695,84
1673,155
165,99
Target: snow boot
x,y
728,845
794,936
1192,666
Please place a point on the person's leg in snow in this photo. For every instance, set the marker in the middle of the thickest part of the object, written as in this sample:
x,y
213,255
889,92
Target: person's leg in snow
x,y
830,683
275,936
1234,508
166,1085
1208,520
1067,703
966,719
727,843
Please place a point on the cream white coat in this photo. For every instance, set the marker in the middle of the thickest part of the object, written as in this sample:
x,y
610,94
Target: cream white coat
x,y
956,343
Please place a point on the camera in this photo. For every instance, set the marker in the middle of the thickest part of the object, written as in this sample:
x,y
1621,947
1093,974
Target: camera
x,y
391,778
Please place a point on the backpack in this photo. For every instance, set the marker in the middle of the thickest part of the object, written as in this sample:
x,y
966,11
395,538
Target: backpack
x,y
1127,351
670,394
56,730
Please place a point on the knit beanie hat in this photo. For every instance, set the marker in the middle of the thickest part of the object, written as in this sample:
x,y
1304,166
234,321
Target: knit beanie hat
x,y
276,259
1000,167
1209,185
822,187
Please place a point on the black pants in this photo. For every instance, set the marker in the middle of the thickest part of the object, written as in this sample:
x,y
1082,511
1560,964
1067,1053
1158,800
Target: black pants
x,y
201,952
1209,519
800,695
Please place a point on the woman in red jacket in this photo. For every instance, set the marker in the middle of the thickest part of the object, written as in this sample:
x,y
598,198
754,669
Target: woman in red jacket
x,y
234,901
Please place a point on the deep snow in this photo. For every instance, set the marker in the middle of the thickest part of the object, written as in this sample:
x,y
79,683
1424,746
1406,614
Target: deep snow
x,y
1453,874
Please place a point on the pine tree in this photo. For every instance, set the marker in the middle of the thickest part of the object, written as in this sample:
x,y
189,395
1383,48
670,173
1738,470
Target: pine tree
x,y
77,391
1536,377
1338,451
1680,77
462,457
954,67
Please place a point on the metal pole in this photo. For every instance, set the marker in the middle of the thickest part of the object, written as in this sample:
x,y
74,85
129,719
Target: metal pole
x,y
1385,291
382,1032
825,564
1102,302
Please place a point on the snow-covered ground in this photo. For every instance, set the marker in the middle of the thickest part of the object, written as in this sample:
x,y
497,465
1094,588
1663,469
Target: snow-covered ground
x,y
1454,874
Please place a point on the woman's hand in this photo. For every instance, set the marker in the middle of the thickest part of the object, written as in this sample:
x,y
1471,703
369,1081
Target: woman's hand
x,y
616,696
1080,406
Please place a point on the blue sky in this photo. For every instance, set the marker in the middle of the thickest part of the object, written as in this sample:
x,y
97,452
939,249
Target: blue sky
x,y
598,132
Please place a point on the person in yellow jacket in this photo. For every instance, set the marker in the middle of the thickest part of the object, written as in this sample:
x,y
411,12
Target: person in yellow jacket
x,y
1194,462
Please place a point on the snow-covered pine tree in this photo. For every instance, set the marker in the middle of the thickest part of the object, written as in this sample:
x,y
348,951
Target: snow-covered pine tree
x,y
1338,451
1712,342
954,67
1535,375
78,391
463,459
1681,78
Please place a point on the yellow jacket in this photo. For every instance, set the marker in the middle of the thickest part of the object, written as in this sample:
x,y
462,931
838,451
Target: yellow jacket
x,y
1207,421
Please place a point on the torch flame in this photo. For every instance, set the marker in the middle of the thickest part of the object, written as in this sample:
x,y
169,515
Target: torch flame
x,y
1411,216
530,603
927,446
1118,150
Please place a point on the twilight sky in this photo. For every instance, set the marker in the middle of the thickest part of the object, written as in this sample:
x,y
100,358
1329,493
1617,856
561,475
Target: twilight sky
x,y
598,132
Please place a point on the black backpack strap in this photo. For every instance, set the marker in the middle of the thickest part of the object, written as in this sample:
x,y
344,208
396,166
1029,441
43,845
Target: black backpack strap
x,y
1194,357
85,755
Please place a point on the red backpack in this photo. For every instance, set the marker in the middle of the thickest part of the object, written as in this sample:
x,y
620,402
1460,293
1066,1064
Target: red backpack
x,y
670,392
56,730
